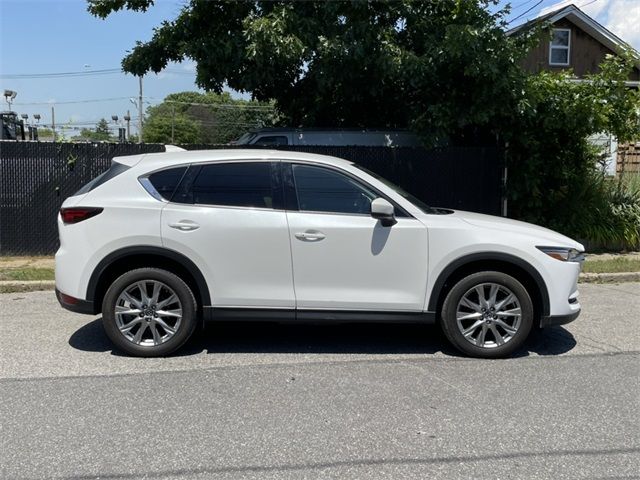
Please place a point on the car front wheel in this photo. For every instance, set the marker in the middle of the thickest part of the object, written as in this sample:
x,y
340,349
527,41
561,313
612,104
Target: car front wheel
x,y
487,315
149,312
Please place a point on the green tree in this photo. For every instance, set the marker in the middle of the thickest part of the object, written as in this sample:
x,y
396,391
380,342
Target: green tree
x,y
554,178
204,118
45,133
444,68
160,126
436,65
101,133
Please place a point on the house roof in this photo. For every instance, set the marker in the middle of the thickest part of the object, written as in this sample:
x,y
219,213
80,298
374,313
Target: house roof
x,y
582,20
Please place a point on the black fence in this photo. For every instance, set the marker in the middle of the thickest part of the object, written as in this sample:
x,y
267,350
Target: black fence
x,y
35,178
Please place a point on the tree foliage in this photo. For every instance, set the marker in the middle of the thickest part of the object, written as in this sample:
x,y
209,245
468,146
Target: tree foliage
x,y
553,175
101,133
436,65
204,118
444,68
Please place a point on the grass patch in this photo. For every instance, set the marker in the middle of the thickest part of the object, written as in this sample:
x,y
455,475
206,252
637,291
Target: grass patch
x,y
21,274
612,265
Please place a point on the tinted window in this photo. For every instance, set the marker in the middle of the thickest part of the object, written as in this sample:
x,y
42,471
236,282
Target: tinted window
x,y
234,184
166,181
272,140
116,169
324,190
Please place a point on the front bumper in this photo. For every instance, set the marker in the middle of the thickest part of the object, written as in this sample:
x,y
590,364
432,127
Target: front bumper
x,y
550,320
74,304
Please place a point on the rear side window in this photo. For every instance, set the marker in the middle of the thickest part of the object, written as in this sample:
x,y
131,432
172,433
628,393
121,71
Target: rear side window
x,y
166,181
234,184
115,169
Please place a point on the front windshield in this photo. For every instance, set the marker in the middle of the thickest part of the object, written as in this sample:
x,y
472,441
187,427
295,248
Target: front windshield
x,y
399,190
245,139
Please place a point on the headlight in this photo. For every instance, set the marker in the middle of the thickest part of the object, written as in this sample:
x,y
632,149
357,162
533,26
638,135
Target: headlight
x,y
563,254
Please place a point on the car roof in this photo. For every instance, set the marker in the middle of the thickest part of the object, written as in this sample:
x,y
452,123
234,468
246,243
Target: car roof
x,y
158,160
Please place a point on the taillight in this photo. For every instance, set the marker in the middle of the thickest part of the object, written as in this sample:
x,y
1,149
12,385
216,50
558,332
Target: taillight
x,y
78,214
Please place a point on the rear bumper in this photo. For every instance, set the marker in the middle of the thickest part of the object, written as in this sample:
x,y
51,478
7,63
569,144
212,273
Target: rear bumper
x,y
74,304
550,320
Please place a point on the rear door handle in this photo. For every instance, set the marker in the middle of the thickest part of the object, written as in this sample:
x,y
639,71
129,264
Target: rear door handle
x,y
185,225
310,236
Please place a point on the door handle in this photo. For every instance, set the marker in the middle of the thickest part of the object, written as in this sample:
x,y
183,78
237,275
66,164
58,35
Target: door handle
x,y
185,226
310,236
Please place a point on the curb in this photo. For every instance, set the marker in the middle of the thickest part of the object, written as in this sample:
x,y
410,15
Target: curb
x,y
609,277
12,286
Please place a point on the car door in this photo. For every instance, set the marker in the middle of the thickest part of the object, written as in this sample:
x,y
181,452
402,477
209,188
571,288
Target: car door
x,y
229,219
344,259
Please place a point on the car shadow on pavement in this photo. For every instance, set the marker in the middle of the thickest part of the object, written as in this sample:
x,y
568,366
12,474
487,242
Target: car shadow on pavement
x,y
361,338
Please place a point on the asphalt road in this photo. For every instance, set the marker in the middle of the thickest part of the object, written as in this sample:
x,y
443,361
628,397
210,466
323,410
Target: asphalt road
x,y
362,401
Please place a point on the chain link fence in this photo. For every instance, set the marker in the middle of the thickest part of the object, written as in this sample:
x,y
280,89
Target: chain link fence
x,y
36,177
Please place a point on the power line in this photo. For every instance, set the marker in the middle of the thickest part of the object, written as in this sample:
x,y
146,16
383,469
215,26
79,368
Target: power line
x,y
95,100
217,105
520,5
588,3
83,73
70,102
525,12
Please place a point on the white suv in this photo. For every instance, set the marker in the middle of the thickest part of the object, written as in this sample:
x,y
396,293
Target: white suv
x,y
162,241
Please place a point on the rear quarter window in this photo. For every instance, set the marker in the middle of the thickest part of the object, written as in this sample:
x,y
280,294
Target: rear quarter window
x,y
115,170
166,181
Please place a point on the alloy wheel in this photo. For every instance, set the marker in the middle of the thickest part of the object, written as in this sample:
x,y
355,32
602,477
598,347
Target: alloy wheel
x,y
489,315
148,313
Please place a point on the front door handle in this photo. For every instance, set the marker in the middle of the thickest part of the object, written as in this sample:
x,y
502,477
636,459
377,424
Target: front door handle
x,y
185,225
310,236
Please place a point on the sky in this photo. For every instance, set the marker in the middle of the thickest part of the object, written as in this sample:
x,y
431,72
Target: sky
x,y
53,36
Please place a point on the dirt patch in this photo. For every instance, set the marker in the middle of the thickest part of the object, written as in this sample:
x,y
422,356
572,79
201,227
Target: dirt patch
x,y
27,262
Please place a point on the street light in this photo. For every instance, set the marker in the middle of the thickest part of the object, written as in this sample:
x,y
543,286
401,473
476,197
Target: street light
x,y
10,96
114,118
127,118
36,116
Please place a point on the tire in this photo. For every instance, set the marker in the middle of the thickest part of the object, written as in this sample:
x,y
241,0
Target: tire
x,y
503,334
153,325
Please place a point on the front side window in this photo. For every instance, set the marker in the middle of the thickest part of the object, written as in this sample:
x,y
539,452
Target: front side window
x,y
559,47
324,190
234,184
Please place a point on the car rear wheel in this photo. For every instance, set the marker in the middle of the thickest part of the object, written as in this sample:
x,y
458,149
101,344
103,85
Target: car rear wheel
x,y
487,315
149,312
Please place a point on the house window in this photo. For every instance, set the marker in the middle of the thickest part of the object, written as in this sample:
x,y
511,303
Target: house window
x,y
559,48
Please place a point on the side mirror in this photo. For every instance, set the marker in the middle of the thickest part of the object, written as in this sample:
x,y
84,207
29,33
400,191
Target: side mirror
x,y
383,211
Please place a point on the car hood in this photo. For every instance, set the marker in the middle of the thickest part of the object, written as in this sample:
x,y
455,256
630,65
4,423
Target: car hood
x,y
543,236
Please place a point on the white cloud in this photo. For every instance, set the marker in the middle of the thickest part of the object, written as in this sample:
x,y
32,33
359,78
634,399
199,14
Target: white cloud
x,y
592,9
622,17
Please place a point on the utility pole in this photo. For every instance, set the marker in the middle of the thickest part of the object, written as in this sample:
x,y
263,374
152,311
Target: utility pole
x,y
53,122
140,112
173,120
